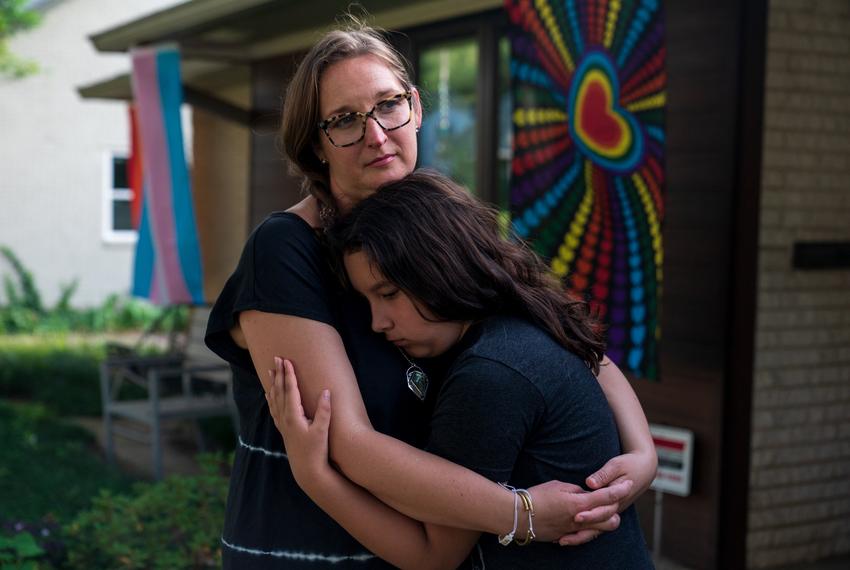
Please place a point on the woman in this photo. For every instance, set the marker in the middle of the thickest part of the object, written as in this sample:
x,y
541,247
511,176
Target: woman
x,y
284,300
520,402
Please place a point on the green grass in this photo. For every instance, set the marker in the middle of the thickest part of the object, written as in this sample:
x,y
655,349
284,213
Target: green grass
x,y
48,469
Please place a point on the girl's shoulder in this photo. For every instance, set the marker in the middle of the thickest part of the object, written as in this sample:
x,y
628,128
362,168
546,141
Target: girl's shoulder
x,y
521,345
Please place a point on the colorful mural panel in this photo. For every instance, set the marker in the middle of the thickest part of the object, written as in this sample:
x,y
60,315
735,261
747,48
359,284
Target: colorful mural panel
x,y
587,181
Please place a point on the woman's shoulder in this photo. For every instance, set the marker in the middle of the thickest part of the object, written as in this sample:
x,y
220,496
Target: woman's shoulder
x,y
308,210
282,237
280,224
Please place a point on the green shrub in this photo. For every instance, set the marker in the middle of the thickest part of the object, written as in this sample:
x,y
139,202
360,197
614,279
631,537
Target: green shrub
x,y
175,523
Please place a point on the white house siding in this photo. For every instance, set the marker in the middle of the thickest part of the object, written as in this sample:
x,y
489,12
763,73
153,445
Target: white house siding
x,y
53,146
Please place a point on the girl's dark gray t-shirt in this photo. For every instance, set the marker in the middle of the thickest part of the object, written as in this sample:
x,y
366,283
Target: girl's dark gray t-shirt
x,y
517,407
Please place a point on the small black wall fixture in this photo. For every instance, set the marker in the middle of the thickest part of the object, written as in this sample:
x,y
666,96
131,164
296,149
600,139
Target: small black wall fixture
x,y
821,255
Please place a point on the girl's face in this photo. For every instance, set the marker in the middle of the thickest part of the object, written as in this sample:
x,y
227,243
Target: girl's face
x,y
399,317
357,84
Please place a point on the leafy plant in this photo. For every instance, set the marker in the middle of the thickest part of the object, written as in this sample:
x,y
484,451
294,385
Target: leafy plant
x,y
19,551
15,16
36,544
26,296
24,311
175,523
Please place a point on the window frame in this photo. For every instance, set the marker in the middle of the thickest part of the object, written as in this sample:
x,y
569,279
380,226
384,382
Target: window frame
x,y
487,28
109,195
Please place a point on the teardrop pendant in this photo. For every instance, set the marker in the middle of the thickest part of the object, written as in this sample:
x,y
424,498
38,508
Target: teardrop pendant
x,y
417,381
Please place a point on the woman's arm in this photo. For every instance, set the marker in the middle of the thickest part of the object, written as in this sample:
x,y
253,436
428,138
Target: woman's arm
x,y
421,485
400,540
639,462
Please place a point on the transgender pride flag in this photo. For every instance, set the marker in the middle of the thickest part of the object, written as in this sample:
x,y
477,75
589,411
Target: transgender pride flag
x,y
167,267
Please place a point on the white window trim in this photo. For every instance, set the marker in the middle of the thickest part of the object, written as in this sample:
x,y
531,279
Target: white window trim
x,y
108,194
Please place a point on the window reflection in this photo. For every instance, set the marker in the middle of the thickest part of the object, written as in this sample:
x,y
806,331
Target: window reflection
x,y
447,140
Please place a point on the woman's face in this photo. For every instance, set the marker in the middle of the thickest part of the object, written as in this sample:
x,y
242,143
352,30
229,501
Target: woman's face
x,y
356,171
397,316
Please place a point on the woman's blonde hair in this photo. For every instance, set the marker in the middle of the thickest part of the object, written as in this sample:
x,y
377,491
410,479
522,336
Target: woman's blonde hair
x,y
301,111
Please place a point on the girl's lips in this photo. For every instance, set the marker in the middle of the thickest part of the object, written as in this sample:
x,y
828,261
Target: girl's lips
x,y
382,160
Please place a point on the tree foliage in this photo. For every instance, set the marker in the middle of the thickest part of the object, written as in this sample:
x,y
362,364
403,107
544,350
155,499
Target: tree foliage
x,y
15,16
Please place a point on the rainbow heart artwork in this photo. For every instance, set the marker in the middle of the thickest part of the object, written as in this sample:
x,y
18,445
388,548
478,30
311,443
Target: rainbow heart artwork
x,y
588,86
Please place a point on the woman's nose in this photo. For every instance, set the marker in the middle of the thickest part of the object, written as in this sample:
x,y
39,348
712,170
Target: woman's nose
x,y
375,134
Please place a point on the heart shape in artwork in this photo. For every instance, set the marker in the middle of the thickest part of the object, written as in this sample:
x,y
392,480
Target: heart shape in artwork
x,y
602,127
607,133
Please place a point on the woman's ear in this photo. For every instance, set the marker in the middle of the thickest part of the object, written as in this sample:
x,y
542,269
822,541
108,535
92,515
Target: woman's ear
x,y
417,108
320,154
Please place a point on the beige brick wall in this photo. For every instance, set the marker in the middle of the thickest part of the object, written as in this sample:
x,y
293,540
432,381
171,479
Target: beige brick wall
x,y
800,464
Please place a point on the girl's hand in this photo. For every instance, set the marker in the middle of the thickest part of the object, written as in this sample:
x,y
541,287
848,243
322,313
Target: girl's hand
x,y
306,440
570,515
637,466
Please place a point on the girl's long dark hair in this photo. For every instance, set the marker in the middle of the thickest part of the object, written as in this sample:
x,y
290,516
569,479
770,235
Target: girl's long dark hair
x,y
448,251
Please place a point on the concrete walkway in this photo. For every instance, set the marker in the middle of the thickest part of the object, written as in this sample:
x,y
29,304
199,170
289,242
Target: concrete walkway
x,y
179,448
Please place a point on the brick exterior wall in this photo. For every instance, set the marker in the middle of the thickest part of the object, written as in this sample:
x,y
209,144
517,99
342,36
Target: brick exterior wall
x,y
799,500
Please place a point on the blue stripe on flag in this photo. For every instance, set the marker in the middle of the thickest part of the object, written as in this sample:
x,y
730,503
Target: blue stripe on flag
x,y
143,261
188,248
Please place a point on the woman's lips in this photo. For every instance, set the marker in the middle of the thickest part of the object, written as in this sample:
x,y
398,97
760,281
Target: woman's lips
x,y
382,160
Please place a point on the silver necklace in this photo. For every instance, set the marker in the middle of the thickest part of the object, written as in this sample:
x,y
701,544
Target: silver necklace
x,y
417,380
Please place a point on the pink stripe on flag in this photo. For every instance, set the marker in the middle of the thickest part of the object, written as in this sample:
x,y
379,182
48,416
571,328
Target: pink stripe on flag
x,y
168,274
156,296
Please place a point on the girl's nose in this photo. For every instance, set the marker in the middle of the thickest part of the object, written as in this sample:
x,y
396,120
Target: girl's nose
x,y
380,323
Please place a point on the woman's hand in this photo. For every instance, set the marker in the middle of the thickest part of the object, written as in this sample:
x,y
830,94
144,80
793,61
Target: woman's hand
x,y
570,515
306,440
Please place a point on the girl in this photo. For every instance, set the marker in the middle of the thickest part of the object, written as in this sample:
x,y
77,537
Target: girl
x,y
520,403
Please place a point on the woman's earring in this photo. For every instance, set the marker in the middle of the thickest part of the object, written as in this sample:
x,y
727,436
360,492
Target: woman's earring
x,y
323,161
417,130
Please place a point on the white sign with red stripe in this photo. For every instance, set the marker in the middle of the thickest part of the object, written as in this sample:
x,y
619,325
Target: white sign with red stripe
x,y
675,448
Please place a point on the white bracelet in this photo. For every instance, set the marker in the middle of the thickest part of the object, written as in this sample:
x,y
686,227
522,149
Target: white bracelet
x,y
529,508
506,539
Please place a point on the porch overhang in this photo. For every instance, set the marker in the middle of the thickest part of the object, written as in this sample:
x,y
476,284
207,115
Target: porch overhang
x,y
250,30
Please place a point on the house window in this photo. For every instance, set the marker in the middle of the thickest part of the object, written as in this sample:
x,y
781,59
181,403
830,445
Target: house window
x,y
462,67
448,75
117,225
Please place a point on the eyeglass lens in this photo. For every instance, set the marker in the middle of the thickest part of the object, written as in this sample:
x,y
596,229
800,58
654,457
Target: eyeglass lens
x,y
351,127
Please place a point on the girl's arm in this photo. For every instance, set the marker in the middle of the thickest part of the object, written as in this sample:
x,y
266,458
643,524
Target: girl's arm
x,y
392,536
639,462
421,485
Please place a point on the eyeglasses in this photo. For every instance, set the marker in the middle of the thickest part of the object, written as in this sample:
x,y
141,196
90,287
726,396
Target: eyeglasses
x,y
346,129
